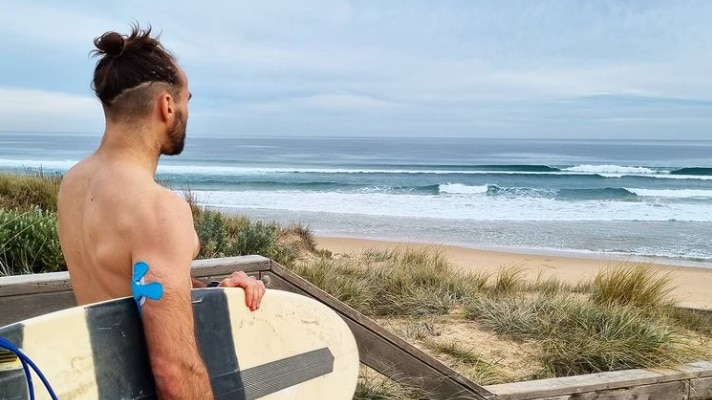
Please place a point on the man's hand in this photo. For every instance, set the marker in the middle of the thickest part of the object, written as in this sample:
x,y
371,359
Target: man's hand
x,y
254,288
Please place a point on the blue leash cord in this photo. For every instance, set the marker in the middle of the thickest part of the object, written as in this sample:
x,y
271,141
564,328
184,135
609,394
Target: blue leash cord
x,y
26,364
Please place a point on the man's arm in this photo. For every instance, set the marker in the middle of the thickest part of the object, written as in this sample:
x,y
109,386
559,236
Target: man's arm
x,y
166,245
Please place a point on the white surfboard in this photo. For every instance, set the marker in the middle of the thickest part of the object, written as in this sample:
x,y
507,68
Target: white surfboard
x,y
293,347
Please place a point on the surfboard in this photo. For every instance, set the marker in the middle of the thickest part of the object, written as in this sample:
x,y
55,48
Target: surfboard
x,y
293,347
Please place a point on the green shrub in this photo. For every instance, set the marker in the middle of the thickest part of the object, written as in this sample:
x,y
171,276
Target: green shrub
x,y
254,238
211,231
224,235
29,242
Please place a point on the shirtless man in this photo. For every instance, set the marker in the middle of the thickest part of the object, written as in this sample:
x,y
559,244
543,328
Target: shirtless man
x,y
113,214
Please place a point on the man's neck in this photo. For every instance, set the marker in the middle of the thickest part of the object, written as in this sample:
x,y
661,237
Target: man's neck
x,y
139,146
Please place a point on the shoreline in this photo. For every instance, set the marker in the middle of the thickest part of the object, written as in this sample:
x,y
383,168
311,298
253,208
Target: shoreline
x,y
548,252
672,243
690,283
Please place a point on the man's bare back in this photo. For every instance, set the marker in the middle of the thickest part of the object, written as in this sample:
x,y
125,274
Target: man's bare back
x,y
105,206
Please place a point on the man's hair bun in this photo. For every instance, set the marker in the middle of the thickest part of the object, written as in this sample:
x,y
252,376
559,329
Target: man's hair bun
x,y
128,61
110,43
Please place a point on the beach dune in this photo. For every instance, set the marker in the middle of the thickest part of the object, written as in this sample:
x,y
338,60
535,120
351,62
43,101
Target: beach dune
x,y
691,286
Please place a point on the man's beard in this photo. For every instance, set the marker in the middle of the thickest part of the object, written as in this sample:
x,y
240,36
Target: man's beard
x,y
176,136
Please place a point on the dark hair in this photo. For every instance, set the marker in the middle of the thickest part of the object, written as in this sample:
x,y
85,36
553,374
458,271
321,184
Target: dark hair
x,y
128,62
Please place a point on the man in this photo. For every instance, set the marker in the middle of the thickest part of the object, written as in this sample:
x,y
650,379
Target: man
x,y
113,215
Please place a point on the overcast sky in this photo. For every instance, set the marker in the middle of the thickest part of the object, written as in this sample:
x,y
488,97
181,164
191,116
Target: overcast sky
x,y
468,68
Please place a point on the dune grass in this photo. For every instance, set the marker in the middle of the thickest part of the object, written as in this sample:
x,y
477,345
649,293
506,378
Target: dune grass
x,y
466,359
578,328
579,337
396,283
29,242
639,286
29,191
509,279
374,386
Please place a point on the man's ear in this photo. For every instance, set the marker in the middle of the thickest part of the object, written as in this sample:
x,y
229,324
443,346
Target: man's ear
x,y
166,106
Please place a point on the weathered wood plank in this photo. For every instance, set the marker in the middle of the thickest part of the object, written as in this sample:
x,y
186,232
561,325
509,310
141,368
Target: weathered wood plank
x,y
661,391
594,385
386,352
700,389
700,369
227,265
21,307
34,283
553,387
27,296
59,281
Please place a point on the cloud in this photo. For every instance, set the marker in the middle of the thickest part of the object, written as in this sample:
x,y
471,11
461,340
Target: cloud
x,y
469,68
40,110
343,102
55,25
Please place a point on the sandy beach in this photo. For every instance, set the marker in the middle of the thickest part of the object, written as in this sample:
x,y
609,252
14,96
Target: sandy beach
x,y
692,286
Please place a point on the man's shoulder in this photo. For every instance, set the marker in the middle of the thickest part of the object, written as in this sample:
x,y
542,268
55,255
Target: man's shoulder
x,y
165,204
76,172
168,198
164,220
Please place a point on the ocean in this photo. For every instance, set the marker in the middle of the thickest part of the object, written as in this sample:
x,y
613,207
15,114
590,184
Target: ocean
x,y
629,199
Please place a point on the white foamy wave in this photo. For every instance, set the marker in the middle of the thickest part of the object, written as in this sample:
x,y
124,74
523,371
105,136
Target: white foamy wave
x,y
684,177
672,193
611,170
234,171
58,165
229,170
473,208
459,188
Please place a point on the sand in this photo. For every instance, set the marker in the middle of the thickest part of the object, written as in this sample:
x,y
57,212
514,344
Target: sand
x,y
692,286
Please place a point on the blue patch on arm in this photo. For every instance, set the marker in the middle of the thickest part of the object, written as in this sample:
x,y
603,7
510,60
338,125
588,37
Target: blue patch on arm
x,y
142,290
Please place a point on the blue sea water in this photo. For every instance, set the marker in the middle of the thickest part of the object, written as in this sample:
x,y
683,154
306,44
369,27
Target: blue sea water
x,y
622,198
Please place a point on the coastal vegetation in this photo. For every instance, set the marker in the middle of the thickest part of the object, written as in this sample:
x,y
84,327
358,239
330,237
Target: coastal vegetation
x,y
29,191
491,328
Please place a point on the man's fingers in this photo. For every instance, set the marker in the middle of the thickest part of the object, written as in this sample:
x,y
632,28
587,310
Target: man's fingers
x,y
257,290
239,277
261,289
254,288
251,297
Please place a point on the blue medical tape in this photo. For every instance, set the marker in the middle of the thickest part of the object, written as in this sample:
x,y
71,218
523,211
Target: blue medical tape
x,y
142,290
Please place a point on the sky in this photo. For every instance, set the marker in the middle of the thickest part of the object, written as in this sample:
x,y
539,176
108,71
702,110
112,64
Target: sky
x,y
452,68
